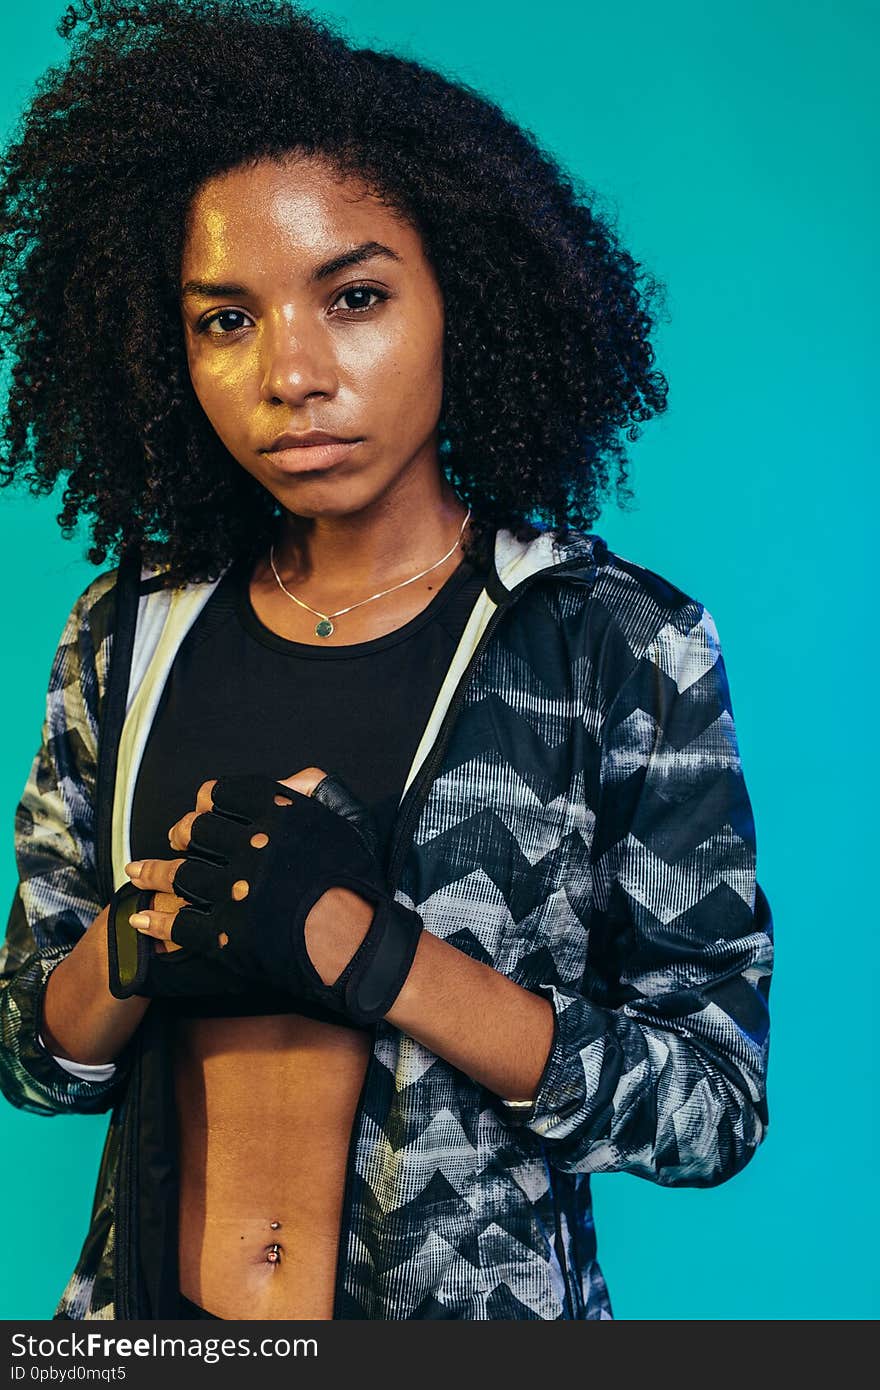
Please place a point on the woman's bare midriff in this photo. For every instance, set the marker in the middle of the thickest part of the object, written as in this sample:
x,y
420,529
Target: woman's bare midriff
x,y
266,1105
265,1109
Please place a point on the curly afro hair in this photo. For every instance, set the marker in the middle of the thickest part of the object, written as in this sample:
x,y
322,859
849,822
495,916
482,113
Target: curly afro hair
x,y
548,365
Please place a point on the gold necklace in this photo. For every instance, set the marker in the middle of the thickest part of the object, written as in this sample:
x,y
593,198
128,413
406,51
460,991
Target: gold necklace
x,y
325,627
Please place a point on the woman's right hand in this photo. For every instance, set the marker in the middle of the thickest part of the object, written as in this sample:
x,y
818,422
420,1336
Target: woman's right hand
x,y
141,965
256,866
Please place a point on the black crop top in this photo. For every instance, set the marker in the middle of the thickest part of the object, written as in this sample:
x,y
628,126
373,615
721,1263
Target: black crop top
x,y
239,698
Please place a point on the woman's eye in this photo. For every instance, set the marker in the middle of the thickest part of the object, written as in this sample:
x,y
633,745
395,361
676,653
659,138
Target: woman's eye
x,y
360,294
225,323
228,321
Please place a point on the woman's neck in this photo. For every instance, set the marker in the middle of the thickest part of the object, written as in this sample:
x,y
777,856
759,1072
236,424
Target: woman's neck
x,y
373,548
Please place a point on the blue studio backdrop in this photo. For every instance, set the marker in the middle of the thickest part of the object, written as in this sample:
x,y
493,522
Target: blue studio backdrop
x,y
733,141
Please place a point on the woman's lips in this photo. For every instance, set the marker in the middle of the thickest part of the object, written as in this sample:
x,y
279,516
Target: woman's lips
x,y
306,458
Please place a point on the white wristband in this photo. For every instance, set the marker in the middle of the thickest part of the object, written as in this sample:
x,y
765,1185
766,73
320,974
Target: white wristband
x,y
84,1071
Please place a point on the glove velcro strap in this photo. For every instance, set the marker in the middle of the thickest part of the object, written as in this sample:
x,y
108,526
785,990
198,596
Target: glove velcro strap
x,y
128,951
377,971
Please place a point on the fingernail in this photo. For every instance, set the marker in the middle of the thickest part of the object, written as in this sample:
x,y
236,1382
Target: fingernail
x,y
133,870
139,919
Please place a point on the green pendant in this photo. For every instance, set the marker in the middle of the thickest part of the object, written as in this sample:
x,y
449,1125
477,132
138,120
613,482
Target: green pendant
x,y
324,628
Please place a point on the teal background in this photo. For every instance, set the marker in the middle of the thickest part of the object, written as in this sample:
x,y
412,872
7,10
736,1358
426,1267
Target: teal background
x,y
733,142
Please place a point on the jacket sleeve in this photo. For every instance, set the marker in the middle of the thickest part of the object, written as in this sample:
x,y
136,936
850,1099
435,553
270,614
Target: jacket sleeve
x,y
658,1062
57,895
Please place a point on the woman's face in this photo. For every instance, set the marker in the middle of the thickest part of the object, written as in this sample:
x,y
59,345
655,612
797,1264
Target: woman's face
x,y
282,338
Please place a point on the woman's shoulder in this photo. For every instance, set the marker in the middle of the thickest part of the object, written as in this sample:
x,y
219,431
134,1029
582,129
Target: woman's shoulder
x,y
640,590
92,608
650,623
95,606
638,599
619,614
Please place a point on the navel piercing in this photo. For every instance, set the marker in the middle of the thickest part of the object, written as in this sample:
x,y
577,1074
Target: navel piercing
x,y
275,1225
273,1254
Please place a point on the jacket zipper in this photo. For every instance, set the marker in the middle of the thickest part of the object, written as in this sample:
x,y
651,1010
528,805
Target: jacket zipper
x,y
408,813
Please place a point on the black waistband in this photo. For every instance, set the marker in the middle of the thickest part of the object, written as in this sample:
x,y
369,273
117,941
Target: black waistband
x,y
192,1310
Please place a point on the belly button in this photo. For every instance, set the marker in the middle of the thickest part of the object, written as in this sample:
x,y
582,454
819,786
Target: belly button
x,y
273,1254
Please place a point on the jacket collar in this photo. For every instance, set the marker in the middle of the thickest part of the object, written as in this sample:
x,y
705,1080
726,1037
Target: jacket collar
x,y
515,561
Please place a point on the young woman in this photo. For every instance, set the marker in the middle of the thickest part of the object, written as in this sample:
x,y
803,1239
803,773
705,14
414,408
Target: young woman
x,y
387,866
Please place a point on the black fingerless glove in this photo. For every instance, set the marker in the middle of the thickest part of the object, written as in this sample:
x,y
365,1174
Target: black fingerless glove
x,y
137,968
311,847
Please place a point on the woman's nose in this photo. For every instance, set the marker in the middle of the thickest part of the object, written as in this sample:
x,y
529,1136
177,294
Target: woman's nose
x,y
297,362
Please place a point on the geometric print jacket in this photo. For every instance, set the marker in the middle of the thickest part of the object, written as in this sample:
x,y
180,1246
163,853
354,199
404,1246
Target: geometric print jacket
x,y
575,817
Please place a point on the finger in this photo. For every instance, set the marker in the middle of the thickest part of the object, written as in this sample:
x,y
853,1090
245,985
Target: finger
x,y
245,799
166,947
203,796
216,838
155,924
200,883
303,781
181,830
196,932
168,902
154,873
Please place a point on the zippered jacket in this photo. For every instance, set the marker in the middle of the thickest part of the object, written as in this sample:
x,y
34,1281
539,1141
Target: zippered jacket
x,y
575,817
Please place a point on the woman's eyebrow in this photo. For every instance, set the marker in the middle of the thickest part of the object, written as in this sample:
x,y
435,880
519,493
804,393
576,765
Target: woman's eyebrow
x,y
367,251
